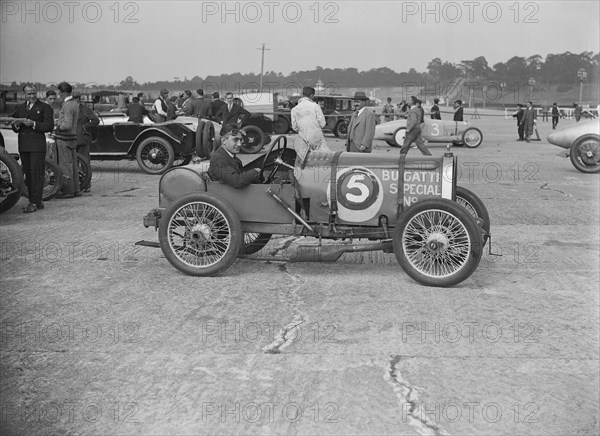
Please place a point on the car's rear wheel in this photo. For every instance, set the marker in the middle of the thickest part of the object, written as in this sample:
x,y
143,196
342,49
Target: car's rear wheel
x,y
85,172
11,181
53,178
399,136
472,137
585,153
341,129
281,126
254,140
437,242
208,138
155,155
200,234
254,242
200,150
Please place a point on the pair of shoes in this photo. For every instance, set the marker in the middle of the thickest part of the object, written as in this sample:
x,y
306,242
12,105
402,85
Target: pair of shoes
x,y
77,194
519,139
61,196
30,208
40,206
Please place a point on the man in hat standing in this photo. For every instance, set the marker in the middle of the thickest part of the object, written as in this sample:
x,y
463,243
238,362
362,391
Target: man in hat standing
x,y
66,142
161,106
34,118
218,108
529,120
518,114
362,127
458,110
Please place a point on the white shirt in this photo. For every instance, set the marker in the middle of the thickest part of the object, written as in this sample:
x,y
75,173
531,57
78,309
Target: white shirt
x,y
158,107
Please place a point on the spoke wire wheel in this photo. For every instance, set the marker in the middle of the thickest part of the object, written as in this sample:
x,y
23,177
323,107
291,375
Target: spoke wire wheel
x,y
254,140
84,172
155,155
12,176
437,243
472,137
341,129
52,180
473,204
200,234
585,154
254,242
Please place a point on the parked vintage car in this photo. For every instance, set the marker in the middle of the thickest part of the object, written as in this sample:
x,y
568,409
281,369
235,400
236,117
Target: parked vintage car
x,y
11,179
582,141
435,131
411,206
158,146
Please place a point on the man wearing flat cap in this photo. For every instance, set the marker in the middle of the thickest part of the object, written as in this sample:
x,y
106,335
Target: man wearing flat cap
x,y
225,166
458,110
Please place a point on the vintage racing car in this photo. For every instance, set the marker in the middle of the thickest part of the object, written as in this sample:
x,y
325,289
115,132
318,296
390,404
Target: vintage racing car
x,y
410,205
582,141
456,132
11,179
158,146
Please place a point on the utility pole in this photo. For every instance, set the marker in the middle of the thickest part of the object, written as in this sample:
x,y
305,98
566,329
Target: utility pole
x,y
582,74
262,65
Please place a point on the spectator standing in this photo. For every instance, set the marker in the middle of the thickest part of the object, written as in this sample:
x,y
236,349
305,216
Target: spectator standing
x,y
34,118
86,120
66,142
420,106
435,110
458,110
235,114
136,111
362,128
555,115
413,131
200,107
518,114
218,108
172,111
51,101
187,102
529,120
545,111
388,109
577,112
308,120
161,106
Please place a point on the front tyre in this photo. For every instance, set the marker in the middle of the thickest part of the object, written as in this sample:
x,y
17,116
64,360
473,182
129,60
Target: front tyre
x,y
200,234
254,140
472,137
585,154
341,129
399,136
53,180
437,243
155,155
11,181
253,242
473,204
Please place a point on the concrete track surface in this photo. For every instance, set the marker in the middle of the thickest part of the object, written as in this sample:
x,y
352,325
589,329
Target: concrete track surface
x,y
101,336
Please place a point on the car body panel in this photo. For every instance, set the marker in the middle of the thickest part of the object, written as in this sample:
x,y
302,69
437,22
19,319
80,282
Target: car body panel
x,y
566,136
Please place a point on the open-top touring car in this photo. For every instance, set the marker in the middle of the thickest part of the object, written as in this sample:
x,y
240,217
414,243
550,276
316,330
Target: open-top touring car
x,y
410,205
434,131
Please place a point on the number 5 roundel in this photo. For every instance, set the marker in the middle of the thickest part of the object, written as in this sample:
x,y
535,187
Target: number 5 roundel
x,y
359,194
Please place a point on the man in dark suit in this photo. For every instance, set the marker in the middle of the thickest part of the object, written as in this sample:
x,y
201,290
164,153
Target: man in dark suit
x,y
218,108
34,118
361,129
435,110
199,107
225,166
136,111
518,114
458,110
234,110
529,120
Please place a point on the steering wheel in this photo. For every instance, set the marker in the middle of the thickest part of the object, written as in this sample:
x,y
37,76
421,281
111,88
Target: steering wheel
x,y
281,151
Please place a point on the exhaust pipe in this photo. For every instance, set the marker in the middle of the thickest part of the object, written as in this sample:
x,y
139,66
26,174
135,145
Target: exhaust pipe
x,y
332,252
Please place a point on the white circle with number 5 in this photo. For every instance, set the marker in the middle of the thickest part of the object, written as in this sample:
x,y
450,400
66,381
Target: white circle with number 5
x,y
359,194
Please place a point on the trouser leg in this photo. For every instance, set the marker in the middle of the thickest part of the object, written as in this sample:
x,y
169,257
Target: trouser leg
x,y
26,162
37,174
65,161
421,145
409,139
75,170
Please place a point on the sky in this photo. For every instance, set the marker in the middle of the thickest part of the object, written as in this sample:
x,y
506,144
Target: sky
x,y
103,42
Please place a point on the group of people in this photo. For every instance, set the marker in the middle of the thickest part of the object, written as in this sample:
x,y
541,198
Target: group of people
x,y
71,126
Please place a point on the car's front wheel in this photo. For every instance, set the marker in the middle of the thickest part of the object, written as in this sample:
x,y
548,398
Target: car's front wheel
x,y
585,154
399,136
472,137
53,179
155,155
200,234
85,172
281,126
341,129
437,242
253,140
11,181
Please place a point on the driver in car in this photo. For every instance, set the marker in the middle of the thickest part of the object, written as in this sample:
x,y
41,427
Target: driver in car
x,y
225,166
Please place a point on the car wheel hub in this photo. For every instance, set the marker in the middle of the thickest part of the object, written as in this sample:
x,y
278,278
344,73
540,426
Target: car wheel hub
x,y
200,233
437,242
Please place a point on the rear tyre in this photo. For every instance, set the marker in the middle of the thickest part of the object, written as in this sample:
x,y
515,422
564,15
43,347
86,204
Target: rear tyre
x,y
585,154
472,137
254,242
53,177
85,172
473,204
208,138
341,129
200,234
254,140
11,181
437,243
281,126
155,155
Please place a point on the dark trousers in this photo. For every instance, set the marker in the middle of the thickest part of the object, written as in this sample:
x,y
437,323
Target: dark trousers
x,y
554,122
521,131
34,170
84,151
414,136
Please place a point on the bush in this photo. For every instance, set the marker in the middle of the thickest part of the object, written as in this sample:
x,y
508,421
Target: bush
x,y
563,88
